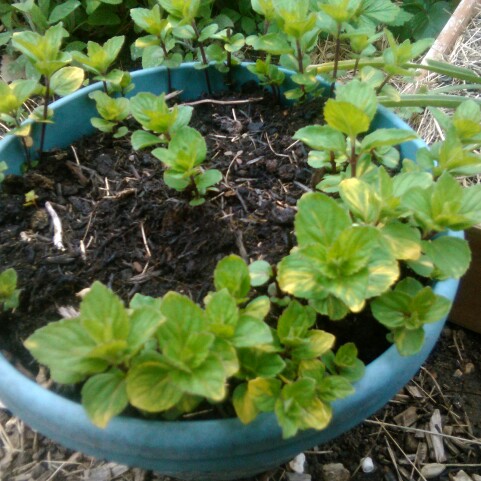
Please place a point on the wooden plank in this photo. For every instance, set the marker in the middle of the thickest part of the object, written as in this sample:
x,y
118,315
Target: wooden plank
x,y
466,311
458,22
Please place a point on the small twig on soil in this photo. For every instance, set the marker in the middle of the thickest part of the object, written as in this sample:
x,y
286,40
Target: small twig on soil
x,y
302,186
77,160
144,239
83,252
393,459
272,150
173,94
240,245
57,227
224,102
446,404
403,453
425,431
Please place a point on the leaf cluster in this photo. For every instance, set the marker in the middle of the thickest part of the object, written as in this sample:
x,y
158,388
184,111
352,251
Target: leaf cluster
x,y
169,355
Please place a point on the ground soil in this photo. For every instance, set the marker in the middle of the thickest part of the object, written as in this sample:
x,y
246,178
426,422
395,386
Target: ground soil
x,y
124,227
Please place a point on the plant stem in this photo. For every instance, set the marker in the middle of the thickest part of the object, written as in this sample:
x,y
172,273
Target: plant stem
x,y
300,65
169,76
422,100
332,160
45,115
106,89
353,158
229,60
24,144
204,57
384,82
356,66
336,59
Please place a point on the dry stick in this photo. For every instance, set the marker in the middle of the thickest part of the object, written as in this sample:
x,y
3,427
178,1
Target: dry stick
x,y
444,43
425,431
57,226
404,454
144,239
224,102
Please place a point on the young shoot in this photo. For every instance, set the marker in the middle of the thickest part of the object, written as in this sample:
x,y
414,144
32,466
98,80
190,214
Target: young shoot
x,y
99,60
158,46
153,113
12,99
268,75
183,159
113,111
184,14
45,55
9,294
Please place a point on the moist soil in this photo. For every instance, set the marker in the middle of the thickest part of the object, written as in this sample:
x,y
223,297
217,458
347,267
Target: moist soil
x,y
124,227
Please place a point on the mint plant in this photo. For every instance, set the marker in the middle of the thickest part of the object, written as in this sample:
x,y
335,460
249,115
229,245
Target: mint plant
x,y
9,294
169,355
44,53
12,99
154,115
99,59
184,15
158,47
186,152
113,111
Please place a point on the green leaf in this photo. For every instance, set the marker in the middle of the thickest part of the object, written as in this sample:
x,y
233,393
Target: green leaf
x,y
111,109
302,276
251,332
9,294
103,315
361,95
206,380
207,179
256,363
222,313
408,341
299,408
232,274
264,393
322,138
346,355
62,10
141,139
144,322
150,388
152,112
187,149
66,80
386,137
346,117
272,43
295,322
260,272
361,199
104,396
404,240
451,256
334,387
244,405
103,125
258,308
315,344
320,219
64,347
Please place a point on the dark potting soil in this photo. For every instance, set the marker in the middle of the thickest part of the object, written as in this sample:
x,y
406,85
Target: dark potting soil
x,y
124,227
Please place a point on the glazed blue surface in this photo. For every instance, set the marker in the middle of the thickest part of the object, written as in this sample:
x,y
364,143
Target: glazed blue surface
x,y
200,450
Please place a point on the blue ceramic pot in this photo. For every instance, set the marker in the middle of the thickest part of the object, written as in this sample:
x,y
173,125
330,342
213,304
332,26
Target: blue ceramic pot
x,y
200,450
